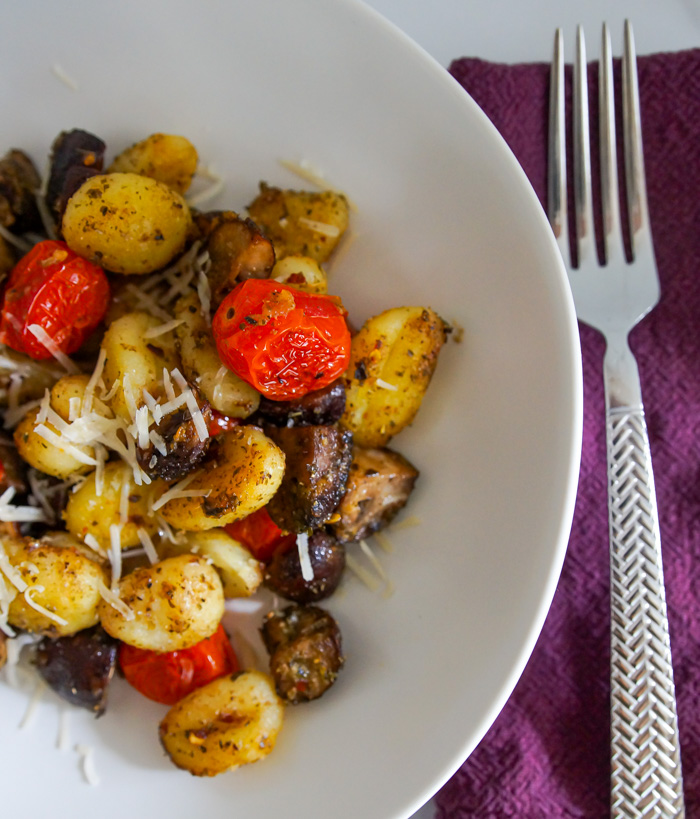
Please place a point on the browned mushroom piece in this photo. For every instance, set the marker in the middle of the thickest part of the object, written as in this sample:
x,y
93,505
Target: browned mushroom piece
x,y
75,156
284,575
316,470
305,649
179,448
19,183
378,486
237,249
320,407
79,668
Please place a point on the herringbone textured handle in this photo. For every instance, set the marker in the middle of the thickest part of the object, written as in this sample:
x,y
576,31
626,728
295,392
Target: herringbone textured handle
x,y
646,766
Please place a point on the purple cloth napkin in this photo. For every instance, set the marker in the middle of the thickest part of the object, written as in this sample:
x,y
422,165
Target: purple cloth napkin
x,y
547,755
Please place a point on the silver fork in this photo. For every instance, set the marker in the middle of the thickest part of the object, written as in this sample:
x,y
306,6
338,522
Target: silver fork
x,y
613,297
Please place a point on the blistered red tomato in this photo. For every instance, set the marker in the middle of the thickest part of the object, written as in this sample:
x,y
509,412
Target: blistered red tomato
x,y
52,288
221,423
260,535
169,676
283,342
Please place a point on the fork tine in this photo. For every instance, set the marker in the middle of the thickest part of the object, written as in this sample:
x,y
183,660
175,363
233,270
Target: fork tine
x,y
582,156
556,163
610,196
637,207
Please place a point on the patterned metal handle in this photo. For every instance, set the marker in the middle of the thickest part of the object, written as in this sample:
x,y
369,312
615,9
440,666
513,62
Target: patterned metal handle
x,y
646,764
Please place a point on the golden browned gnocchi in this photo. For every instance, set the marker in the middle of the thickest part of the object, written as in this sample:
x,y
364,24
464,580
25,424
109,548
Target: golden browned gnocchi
x,y
133,362
392,361
301,222
62,581
247,473
126,223
241,574
230,722
168,158
120,502
175,604
301,272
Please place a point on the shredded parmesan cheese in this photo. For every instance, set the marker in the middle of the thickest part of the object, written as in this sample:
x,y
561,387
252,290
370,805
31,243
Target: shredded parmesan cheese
x,y
115,601
87,754
162,329
207,172
19,514
180,490
307,570
33,704
44,338
332,231
385,385
368,578
58,71
148,546
115,553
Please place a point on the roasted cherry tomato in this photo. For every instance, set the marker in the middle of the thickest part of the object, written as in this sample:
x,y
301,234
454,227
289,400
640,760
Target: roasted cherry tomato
x,y
283,342
57,290
221,423
169,676
260,535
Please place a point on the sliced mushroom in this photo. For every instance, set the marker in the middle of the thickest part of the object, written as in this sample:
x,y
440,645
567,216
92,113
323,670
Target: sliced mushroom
x,y
237,249
379,484
79,668
317,464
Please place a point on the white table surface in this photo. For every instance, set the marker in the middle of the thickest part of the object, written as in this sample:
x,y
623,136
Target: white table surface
x,y
522,31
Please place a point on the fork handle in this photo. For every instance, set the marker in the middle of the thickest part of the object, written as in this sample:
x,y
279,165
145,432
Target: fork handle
x,y
646,778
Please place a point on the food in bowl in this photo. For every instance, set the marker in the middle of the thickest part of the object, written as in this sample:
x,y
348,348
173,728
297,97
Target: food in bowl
x,y
193,419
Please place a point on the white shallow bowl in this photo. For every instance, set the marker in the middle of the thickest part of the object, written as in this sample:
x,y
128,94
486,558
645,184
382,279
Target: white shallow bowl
x,y
446,218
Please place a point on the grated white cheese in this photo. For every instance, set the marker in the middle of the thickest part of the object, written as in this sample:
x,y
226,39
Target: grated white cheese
x,y
200,424
142,424
93,543
33,704
307,570
384,542
385,385
115,601
45,339
162,329
62,443
93,381
168,385
9,513
87,754
58,71
180,490
14,577
204,293
213,190
115,553
148,546
374,560
332,231
370,580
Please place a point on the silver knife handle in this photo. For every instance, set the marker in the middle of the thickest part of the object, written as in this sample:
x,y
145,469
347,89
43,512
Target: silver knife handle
x,y
646,778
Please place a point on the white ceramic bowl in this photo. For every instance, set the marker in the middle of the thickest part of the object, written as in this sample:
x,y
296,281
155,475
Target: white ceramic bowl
x,y
445,217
